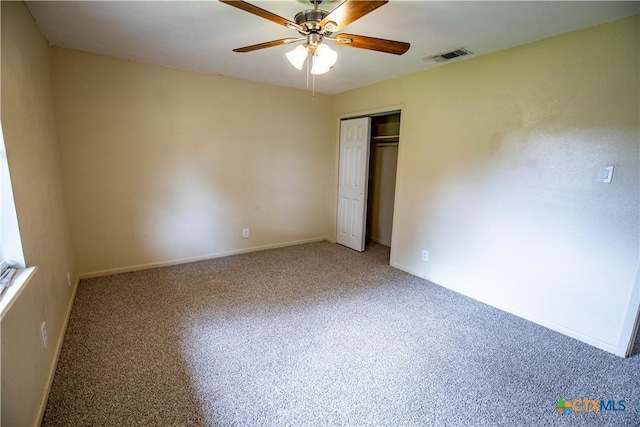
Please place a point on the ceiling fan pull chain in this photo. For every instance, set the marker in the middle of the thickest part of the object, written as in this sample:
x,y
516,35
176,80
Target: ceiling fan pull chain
x,y
308,61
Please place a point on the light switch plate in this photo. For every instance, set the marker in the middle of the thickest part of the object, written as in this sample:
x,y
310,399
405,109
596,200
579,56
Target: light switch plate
x,y
605,174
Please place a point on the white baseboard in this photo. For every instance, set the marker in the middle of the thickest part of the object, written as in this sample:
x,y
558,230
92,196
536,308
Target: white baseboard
x,y
611,348
196,258
410,271
54,365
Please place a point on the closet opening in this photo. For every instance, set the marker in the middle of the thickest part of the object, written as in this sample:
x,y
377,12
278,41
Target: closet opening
x,y
367,179
383,165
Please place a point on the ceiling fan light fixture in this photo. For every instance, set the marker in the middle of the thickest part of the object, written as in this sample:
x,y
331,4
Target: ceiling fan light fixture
x,y
297,56
318,68
323,59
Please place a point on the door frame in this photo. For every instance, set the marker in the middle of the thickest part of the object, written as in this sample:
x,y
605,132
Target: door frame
x,y
336,166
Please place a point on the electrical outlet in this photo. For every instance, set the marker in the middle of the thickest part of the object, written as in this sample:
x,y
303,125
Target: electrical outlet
x,y
425,255
43,334
69,278
245,233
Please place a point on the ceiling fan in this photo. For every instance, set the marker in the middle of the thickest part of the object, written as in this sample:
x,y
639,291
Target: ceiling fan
x,y
317,25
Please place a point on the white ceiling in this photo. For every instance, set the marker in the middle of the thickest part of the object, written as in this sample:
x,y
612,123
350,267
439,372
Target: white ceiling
x,y
200,35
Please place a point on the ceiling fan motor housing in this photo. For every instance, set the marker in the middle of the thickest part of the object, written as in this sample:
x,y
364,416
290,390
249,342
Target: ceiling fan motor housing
x,y
310,20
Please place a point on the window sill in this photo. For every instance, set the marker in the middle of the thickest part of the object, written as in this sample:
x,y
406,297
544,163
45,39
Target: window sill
x,y
18,284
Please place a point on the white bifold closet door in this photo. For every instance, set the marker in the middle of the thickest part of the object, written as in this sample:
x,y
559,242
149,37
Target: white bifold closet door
x,y
353,176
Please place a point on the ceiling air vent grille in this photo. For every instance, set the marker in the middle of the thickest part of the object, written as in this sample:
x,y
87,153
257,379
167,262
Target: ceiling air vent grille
x,y
442,57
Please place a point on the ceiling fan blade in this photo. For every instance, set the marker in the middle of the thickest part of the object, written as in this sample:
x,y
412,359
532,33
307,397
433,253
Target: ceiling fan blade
x,y
264,45
372,43
248,7
348,12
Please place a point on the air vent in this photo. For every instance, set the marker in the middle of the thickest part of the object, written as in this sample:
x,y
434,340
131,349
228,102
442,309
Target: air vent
x,y
442,57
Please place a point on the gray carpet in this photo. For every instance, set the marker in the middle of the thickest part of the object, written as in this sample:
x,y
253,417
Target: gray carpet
x,y
317,334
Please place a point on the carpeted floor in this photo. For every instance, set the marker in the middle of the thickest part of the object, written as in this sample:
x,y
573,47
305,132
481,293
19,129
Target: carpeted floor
x,y
317,334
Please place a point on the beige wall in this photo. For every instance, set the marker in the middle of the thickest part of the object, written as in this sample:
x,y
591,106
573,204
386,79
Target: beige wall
x,y
28,123
497,177
164,164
